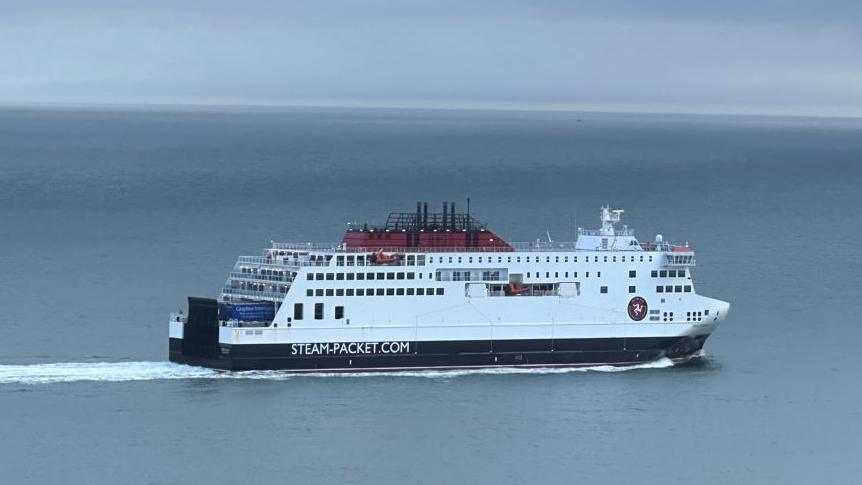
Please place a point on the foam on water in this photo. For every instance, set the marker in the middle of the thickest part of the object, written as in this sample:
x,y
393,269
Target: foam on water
x,y
148,371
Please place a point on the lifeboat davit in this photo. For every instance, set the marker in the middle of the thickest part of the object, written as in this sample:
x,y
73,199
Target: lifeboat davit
x,y
514,289
380,258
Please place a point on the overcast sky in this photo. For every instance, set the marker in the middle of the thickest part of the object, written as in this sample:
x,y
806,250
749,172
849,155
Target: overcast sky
x,y
753,56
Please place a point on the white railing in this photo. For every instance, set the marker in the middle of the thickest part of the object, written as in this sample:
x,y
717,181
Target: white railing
x,y
269,295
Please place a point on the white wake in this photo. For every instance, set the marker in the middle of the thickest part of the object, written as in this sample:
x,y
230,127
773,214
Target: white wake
x,y
150,371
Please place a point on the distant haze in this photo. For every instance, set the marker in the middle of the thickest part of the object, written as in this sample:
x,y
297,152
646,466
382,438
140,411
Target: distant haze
x,y
768,56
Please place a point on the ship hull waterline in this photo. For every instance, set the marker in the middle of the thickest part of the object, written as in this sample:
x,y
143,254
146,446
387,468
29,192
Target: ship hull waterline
x,y
532,354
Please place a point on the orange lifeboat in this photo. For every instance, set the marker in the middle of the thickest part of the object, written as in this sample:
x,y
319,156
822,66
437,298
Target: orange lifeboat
x,y
384,259
683,249
513,289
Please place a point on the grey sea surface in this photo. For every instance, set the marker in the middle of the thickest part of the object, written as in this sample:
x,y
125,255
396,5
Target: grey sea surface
x,y
109,219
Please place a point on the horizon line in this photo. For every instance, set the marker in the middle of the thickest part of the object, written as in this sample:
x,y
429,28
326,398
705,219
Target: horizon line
x,y
422,106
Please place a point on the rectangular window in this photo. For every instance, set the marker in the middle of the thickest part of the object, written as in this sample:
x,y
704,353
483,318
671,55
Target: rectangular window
x,y
411,291
318,276
663,274
309,276
309,292
330,276
654,273
677,289
318,292
360,276
339,292
339,312
632,273
420,291
329,292
411,276
350,292
369,276
297,311
350,276
390,291
390,276
400,276
439,291
369,292
672,273
318,311
429,291
687,289
360,292
603,289
632,289
680,273
668,289
339,276
399,291
380,276
659,289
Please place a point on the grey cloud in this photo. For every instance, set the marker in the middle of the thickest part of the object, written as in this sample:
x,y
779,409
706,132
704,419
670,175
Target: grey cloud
x,y
769,56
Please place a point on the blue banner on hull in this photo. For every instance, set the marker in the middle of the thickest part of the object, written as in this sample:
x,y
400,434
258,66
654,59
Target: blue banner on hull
x,y
258,311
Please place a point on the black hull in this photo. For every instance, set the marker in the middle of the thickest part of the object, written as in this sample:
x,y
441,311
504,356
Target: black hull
x,y
449,355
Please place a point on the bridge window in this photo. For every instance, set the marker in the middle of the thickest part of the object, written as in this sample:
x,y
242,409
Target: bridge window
x,y
318,311
297,311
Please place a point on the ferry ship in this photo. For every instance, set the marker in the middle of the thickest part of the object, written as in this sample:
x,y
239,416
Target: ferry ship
x,y
441,290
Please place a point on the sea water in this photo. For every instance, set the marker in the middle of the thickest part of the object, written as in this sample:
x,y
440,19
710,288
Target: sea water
x,y
109,219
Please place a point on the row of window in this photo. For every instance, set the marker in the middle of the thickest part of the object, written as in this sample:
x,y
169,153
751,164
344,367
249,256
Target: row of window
x,y
375,292
364,276
673,289
672,273
318,312
537,259
363,260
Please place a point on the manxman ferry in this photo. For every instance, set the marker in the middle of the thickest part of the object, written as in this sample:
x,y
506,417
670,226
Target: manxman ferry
x,y
440,290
